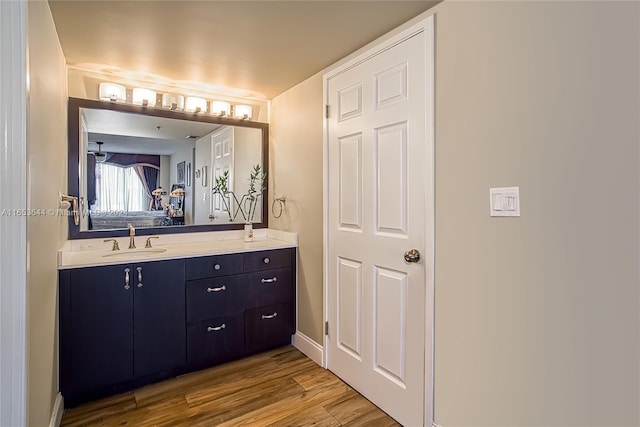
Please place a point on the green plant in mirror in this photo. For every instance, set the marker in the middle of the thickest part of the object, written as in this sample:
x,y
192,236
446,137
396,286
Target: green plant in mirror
x,y
247,203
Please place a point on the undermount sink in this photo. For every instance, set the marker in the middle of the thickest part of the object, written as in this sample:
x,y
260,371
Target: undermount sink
x,y
135,252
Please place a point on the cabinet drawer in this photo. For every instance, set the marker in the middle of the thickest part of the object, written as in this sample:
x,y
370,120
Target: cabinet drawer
x,y
213,266
267,260
214,297
215,340
269,287
267,327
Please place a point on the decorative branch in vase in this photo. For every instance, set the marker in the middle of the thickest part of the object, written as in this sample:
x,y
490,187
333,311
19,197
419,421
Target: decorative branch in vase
x,y
246,205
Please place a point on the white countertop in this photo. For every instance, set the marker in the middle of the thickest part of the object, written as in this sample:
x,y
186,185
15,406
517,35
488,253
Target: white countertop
x,y
95,252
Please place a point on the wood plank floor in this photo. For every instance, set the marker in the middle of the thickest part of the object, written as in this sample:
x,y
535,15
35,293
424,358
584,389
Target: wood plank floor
x,y
278,388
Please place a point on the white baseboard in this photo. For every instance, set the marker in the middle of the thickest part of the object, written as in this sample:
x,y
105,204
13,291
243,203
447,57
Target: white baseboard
x,y
58,409
312,349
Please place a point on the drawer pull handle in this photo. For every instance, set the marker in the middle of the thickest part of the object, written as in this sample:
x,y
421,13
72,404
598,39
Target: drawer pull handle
x,y
221,288
273,279
216,328
216,267
269,316
126,278
139,276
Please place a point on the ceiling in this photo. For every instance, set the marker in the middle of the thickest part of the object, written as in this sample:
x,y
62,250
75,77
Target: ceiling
x,y
137,133
264,47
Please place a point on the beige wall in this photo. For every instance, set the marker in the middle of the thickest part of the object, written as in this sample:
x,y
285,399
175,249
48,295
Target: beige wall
x,y
537,317
47,172
296,171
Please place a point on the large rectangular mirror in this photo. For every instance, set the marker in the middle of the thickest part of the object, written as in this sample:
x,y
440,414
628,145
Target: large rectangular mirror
x,y
155,169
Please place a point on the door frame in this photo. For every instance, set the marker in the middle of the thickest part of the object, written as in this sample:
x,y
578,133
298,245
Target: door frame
x,y
13,198
423,25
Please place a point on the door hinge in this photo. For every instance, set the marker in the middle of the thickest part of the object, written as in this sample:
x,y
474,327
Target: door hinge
x,y
326,328
326,111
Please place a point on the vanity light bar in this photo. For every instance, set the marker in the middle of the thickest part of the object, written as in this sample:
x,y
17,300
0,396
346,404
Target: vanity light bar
x,y
148,98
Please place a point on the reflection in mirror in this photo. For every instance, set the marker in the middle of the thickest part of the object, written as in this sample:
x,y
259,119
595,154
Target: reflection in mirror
x,y
157,172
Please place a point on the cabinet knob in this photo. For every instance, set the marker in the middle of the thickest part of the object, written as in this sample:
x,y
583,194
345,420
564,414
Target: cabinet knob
x,y
216,267
266,260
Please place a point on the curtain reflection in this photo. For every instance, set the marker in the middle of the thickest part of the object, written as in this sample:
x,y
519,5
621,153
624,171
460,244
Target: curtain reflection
x,y
119,189
149,177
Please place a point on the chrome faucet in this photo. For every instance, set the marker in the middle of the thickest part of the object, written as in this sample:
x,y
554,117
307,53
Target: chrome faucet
x,y
132,236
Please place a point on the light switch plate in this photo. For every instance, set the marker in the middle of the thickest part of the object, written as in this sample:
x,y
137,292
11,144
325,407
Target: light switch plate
x,y
504,201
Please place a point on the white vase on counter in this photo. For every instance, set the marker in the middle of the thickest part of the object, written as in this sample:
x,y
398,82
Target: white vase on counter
x,y
248,232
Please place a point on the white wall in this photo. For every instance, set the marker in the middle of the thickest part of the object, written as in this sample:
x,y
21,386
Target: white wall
x,y
537,318
202,193
165,173
184,154
46,176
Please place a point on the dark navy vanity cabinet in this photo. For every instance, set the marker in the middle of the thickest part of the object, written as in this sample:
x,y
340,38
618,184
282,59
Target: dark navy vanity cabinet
x,y
126,325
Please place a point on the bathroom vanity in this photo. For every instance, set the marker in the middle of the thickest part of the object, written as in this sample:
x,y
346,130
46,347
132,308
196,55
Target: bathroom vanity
x,y
201,296
129,318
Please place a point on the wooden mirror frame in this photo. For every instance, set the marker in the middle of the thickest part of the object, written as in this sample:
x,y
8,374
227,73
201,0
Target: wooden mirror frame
x,y
73,175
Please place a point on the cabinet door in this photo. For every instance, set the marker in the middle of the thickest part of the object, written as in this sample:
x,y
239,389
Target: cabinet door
x,y
96,329
159,317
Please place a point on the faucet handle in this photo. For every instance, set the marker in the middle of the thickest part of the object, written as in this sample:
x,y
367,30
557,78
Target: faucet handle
x,y
115,247
148,245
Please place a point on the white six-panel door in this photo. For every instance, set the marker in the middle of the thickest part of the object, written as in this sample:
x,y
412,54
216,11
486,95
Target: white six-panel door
x,y
380,206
